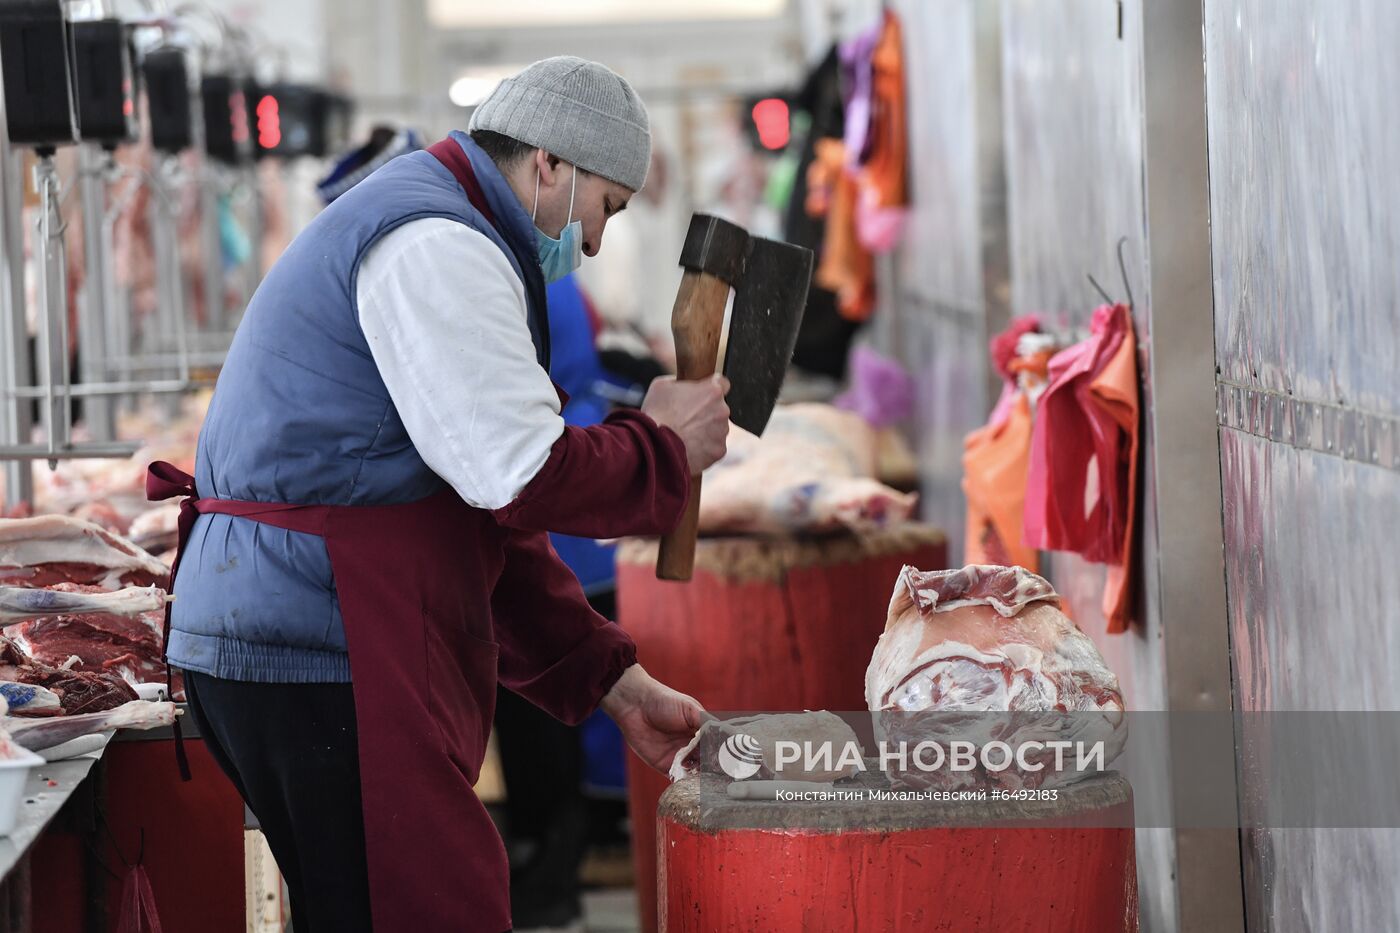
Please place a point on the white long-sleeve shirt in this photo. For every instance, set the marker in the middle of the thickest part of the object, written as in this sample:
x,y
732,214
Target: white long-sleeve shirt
x,y
447,322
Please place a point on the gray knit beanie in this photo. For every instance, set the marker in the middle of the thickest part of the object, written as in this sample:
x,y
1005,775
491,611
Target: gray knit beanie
x,y
578,110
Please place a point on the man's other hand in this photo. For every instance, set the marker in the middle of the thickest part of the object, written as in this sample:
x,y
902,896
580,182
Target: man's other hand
x,y
655,720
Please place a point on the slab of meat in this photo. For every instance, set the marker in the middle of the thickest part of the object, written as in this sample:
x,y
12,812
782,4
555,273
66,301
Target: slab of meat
x,y
753,741
93,630
39,734
51,549
77,691
812,471
122,645
984,653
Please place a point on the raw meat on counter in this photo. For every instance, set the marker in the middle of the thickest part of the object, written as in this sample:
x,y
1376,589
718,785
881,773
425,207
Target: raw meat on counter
x,y
754,740
812,471
104,632
68,573
989,640
49,549
78,691
40,734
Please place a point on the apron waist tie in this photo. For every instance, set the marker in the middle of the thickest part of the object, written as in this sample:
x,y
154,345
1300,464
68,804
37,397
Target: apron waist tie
x,y
164,481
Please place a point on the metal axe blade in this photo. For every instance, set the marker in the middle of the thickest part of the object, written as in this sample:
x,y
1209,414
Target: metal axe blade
x,y
769,300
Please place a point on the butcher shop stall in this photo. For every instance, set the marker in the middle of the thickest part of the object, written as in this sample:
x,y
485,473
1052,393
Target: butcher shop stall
x,y
1045,582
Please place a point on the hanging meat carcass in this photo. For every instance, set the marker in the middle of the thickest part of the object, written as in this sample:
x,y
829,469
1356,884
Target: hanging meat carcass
x,y
812,471
984,654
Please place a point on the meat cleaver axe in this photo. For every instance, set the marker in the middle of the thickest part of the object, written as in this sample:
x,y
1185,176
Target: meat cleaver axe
x,y
770,281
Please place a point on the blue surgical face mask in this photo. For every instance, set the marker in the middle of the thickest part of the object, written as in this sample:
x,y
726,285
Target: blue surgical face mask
x,y
559,257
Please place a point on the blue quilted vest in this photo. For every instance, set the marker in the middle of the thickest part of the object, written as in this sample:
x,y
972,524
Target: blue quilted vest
x,y
300,414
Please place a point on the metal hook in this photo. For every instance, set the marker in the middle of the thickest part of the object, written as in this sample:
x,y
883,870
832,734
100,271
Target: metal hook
x,y
1099,288
1123,268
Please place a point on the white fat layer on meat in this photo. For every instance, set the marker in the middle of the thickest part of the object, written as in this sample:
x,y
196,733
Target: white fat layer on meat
x,y
52,539
1023,657
981,685
1025,593
895,644
126,673
678,769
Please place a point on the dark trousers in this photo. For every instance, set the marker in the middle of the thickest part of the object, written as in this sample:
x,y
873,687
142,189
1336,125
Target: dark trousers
x,y
290,749
543,767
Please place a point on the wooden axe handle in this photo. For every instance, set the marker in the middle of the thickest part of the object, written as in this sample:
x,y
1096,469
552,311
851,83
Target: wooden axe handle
x,y
696,321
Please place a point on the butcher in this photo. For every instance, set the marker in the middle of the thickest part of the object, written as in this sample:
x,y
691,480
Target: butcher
x,y
365,551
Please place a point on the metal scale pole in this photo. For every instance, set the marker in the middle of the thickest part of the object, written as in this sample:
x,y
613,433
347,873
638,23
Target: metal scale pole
x,y
211,186
55,410
170,319
16,420
116,299
94,310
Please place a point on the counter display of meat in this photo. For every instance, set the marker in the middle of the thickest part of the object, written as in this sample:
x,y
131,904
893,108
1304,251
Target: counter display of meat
x,y
77,691
83,598
51,549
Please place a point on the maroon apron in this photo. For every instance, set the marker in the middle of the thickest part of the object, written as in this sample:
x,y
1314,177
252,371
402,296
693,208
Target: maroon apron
x,y
414,583
415,598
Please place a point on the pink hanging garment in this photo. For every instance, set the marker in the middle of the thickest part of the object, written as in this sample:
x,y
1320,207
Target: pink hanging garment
x,y
879,229
1080,485
1116,390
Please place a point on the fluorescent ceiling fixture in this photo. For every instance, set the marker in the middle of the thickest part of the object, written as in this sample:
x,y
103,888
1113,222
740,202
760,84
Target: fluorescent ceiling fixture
x,y
460,14
472,87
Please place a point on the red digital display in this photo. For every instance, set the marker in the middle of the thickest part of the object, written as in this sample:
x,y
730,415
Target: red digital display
x,y
269,123
770,117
